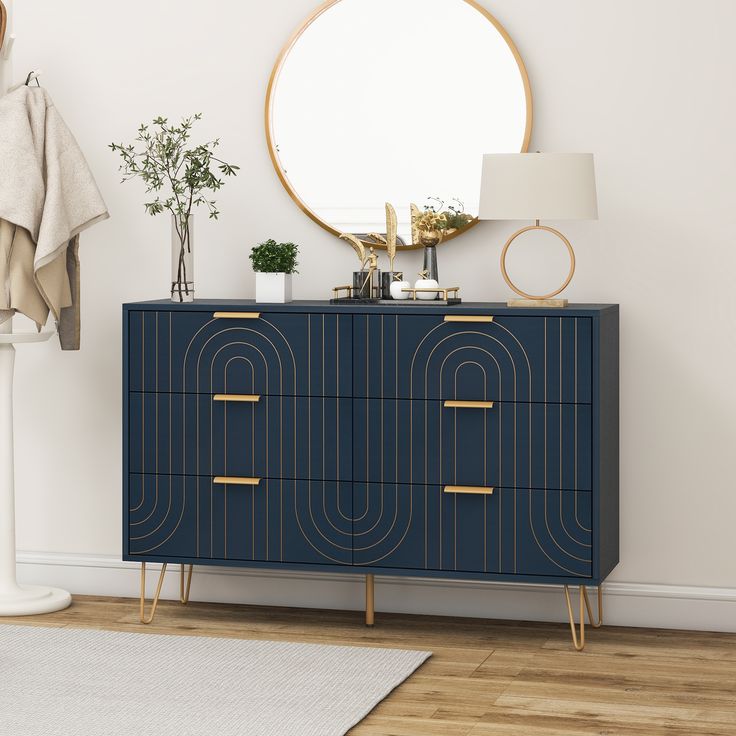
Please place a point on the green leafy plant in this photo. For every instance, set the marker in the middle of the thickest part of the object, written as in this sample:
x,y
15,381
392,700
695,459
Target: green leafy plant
x,y
182,178
273,257
457,220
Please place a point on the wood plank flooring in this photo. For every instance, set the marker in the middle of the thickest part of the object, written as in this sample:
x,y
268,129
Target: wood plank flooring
x,y
486,678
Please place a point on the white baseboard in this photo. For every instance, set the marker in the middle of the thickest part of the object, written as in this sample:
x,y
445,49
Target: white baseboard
x,y
626,604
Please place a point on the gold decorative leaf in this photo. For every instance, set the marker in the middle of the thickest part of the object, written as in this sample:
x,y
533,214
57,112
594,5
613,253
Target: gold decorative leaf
x,y
415,215
391,230
378,238
358,247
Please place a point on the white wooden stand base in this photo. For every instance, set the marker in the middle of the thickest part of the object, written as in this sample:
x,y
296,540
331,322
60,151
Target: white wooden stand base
x,y
16,600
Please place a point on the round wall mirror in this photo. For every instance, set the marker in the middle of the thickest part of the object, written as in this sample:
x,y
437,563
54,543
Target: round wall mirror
x,y
376,101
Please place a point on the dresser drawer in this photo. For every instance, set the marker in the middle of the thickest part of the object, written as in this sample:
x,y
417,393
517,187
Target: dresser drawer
x,y
244,352
525,358
273,521
231,434
509,531
518,445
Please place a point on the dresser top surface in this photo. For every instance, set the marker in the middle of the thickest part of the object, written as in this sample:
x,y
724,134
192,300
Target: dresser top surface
x,y
496,308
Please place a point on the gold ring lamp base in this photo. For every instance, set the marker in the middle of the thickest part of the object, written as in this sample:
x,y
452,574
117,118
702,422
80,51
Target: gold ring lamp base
x,y
532,300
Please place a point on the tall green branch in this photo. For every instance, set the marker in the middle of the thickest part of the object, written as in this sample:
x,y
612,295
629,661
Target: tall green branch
x,y
182,178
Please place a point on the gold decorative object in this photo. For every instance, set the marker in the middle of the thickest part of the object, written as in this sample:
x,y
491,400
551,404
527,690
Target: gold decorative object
x,y
415,212
429,221
429,238
445,293
440,291
358,247
369,265
391,231
429,227
372,260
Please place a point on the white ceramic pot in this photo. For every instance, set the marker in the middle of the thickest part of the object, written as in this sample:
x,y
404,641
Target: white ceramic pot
x,y
397,289
273,288
426,284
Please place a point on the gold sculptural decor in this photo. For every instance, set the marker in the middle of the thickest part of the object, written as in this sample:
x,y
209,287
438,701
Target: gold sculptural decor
x,y
429,226
368,286
391,233
415,212
341,162
358,247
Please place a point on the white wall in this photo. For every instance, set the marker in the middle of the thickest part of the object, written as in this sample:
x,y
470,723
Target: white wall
x,y
646,85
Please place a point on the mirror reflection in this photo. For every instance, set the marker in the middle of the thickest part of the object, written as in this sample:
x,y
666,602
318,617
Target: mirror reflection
x,y
395,101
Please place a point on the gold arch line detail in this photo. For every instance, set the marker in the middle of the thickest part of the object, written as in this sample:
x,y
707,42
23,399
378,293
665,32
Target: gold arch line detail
x,y
550,535
476,348
529,372
165,519
485,466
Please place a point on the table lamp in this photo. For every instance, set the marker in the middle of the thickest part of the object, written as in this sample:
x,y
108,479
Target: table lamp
x,y
538,186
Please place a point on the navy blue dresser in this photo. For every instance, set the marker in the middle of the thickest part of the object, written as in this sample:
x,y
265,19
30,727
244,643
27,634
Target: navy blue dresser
x,y
473,441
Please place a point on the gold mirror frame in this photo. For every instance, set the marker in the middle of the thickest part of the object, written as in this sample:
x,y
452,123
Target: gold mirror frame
x,y
270,92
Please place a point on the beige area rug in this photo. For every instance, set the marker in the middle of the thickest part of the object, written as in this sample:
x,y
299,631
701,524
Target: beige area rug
x,y
70,682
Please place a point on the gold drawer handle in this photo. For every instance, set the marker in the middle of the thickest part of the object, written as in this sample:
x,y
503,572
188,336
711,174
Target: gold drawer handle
x,y
468,318
225,481
244,398
452,404
236,315
472,490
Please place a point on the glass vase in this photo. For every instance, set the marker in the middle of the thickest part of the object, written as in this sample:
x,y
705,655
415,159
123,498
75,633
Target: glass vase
x,y
182,258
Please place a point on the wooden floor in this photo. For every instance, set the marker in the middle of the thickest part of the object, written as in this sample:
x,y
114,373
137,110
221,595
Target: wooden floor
x,y
486,678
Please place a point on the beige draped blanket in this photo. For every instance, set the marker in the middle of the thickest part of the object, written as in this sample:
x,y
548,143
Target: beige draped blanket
x,y
47,197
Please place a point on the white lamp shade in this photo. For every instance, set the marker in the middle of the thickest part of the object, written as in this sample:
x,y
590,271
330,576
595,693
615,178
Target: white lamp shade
x,y
538,186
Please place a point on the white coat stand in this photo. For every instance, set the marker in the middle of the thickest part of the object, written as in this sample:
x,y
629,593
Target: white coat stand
x,y
15,600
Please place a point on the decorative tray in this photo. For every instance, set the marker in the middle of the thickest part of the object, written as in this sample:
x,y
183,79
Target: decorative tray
x,y
413,299
398,302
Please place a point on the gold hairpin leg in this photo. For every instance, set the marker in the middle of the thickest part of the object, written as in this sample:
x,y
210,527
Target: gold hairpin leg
x,y
369,601
154,604
579,642
593,623
184,593
184,590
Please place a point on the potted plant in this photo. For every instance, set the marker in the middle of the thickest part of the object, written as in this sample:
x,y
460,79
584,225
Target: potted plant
x,y
274,263
183,179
